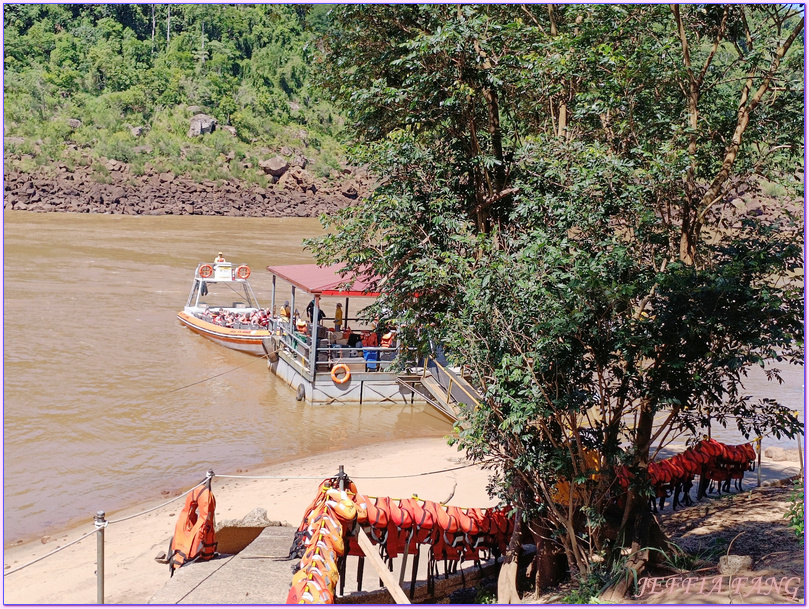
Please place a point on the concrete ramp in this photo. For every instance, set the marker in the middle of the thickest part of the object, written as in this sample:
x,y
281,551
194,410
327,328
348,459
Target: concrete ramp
x,y
261,575
258,575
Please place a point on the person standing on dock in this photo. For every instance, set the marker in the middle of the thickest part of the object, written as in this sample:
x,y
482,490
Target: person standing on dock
x,y
338,317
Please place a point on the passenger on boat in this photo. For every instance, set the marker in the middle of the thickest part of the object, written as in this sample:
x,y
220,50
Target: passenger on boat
x,y
301,325
371,355
220,258
285,314
387,342
338,317
310,310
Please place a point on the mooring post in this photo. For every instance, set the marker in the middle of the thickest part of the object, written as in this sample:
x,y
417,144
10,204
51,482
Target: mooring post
x,y
100,524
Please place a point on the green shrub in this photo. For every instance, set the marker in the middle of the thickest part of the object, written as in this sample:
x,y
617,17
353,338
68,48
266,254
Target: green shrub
x,y
137,167
117,146
19,148
100,169
199,155
795,513
325,163
772,189
588,587
486,597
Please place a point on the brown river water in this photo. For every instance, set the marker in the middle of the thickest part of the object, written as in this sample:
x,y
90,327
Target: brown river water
x,y
104,406
94,355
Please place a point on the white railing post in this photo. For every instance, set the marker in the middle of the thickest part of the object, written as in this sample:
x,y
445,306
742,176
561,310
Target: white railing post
x,y
100,524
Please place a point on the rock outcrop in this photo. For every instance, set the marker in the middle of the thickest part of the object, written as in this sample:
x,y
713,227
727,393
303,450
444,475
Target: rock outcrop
x,y
118,191
201,124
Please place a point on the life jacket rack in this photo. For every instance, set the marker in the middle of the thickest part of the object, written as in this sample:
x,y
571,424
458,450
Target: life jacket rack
x,y
341,522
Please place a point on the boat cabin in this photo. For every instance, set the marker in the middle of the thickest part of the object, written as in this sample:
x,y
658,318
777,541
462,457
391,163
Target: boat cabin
x,y
327,362
221,285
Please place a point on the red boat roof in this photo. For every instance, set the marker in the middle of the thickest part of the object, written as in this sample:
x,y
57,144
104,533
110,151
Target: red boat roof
x,y
322,280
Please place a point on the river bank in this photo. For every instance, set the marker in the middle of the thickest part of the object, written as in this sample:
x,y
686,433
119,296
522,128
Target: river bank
x,y
111,187
132,576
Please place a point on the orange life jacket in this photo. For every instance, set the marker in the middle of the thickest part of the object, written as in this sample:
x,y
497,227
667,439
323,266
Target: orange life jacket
x,y
387,339
194,536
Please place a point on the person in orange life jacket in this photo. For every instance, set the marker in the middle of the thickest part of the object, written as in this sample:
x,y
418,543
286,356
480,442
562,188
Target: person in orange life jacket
x,y
387,340
369,339
220,258
285,314
388,337
338,317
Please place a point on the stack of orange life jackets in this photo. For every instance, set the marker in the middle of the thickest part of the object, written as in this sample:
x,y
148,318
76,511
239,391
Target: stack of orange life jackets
x,y
711,460
395,525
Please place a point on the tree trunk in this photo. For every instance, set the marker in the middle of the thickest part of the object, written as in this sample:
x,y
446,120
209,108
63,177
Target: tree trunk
x,y
550,565
639,529
507,580
646,535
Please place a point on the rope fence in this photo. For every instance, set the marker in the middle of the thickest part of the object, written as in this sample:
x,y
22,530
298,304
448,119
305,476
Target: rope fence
x,y
100,522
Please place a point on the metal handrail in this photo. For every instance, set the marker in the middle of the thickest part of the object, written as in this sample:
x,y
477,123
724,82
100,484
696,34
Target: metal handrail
x,y
290,337
431,361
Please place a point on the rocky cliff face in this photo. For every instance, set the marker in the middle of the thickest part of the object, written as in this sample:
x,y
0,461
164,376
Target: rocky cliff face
x,y
295,193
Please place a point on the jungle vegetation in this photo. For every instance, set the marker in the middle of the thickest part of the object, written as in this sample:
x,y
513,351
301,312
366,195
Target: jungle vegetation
x,y
114,67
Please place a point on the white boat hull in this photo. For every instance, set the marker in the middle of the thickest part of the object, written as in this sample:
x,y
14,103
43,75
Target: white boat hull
x,y
247,341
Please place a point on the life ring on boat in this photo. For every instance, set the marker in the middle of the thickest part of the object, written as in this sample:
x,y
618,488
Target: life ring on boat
x,y
205,271
243,272
340,368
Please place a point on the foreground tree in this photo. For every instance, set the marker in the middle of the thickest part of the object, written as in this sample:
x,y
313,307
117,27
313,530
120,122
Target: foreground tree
x,y
565,205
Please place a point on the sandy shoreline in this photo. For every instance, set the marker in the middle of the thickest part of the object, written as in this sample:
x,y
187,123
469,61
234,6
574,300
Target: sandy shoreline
x,y
131,574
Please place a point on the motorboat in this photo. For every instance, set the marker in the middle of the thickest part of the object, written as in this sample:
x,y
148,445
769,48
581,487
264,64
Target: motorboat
x,y
223,308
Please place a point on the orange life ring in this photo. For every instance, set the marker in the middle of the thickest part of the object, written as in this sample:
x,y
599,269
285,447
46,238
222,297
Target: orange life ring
x,y
243,272
205,271
338,368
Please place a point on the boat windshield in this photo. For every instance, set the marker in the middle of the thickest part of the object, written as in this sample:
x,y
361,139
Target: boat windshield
x,y
214,294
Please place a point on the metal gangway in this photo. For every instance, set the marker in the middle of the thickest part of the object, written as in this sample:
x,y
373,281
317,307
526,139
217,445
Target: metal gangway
x,y
442,387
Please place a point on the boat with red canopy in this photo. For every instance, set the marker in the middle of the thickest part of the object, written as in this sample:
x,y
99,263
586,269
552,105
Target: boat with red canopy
x,y
331,358
325,359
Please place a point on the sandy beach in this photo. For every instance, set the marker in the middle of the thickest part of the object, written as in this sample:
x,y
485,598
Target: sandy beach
x,y
132,576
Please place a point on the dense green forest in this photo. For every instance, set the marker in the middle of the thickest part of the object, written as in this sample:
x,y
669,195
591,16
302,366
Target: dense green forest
x,y
117,67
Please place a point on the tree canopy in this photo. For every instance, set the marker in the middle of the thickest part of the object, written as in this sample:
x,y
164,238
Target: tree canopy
x,y
566,203
117,66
